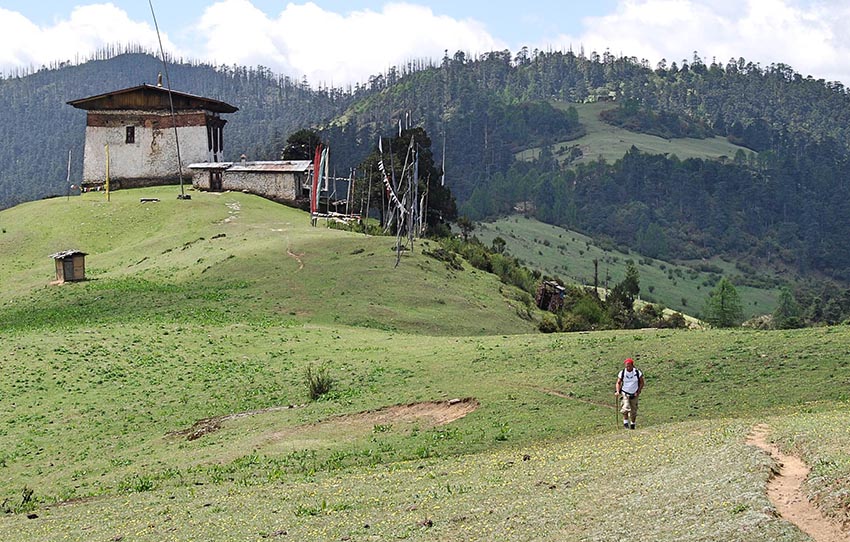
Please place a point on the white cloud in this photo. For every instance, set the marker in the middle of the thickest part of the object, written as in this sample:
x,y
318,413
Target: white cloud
x,y
332,48
89,28
811,38
304,39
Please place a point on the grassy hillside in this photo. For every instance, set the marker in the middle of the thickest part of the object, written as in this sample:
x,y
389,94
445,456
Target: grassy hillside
x,y
611,142
101,414
569,255
166,398
233,257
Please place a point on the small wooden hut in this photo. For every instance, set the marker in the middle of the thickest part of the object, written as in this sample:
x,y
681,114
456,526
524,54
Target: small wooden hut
x,y
70,266
550,296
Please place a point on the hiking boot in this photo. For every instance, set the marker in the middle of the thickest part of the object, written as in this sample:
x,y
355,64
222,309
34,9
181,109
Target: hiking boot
x,y
632,426
625,425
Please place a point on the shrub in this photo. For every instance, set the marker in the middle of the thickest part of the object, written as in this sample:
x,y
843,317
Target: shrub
x,y
675,321
589,310
27,504
548,324
449,258
319,382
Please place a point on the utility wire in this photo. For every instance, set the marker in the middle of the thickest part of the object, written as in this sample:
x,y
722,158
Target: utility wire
x,y
170,102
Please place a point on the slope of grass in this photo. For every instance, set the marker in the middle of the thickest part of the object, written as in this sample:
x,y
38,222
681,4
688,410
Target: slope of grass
x,y
91,418
88,411
231,258
575,490
569,255
179,324
611,142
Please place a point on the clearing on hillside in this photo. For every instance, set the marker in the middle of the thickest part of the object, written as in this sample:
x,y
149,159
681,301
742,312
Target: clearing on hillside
x,y
428,414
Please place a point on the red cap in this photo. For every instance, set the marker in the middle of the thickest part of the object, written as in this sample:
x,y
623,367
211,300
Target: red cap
x,y
629,360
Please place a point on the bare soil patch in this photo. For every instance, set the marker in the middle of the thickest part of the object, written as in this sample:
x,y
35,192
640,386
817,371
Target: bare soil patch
x,y
206,426
431,413
428,414
425,415
785,491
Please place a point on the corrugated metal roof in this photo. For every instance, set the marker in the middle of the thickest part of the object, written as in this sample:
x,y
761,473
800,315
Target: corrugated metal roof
x,y
211,165
67,253
282,166
277,166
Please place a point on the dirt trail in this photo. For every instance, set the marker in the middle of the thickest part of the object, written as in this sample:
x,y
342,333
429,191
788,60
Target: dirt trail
x,y
297,258
785,491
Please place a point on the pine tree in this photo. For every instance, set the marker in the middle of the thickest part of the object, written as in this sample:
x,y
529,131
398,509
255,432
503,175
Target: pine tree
x,y
787,313
723,307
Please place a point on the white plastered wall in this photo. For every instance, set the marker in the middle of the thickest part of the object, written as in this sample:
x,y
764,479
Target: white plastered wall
x,y
153,155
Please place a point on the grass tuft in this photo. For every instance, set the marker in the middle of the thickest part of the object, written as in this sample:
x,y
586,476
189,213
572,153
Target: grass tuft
x,y
319,382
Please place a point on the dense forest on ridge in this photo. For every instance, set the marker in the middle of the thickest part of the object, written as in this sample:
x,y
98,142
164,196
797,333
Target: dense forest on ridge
x,y
780,200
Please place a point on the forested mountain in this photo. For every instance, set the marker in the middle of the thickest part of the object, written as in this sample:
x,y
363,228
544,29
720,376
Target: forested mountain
x,y
781,200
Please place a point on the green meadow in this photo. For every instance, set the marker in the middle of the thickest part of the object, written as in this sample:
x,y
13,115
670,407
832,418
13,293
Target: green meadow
x,y
165,398
610,143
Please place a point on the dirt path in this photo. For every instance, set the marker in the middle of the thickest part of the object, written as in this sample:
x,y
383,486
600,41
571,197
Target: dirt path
x,y
297,258
785,491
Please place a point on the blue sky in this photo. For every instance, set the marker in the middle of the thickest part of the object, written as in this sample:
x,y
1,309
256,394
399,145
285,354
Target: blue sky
x,y
342,42
505,19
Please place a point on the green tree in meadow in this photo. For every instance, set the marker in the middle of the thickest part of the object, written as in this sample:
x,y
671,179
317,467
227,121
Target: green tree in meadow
x,y
631,284
499,245
723,307
787,313
466,227
441,206
620,302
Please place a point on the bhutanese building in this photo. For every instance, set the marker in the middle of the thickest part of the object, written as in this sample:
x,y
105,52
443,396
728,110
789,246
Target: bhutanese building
x,y
132,131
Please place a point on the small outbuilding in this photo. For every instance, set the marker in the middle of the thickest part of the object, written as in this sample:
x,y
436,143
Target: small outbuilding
x,y
285,180
550,296
70,266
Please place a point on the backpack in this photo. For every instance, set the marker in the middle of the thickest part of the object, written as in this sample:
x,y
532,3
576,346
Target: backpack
x,y
622,374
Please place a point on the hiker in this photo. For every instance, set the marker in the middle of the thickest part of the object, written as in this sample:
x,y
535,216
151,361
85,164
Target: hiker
x,y
629,385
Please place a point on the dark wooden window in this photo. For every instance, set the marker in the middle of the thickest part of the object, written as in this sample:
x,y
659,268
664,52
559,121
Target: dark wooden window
x,y
131,134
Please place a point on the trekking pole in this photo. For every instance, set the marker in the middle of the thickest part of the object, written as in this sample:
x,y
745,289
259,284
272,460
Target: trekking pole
x,y
617,397
616,409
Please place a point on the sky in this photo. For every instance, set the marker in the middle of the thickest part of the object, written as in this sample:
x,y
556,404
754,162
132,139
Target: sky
x,y
339,43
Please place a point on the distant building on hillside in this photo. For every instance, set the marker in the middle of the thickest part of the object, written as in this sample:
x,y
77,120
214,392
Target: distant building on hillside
x,y
136,123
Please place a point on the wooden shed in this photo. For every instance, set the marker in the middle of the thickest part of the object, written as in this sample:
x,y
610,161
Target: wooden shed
x,y
70,266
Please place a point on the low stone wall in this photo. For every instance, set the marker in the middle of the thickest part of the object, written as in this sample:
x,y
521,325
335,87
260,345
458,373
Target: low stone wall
x,y
278,186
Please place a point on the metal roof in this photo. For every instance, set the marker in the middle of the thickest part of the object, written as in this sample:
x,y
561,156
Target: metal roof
x,y
67,254
276,166
150,97
220,166
279,166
